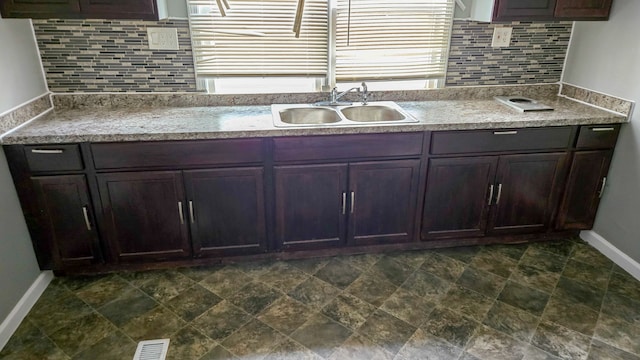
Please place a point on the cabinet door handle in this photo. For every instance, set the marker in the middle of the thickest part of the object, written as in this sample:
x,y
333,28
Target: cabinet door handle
x,y
85,212
47,151
603,129
181,212
604,182
192,217
490,194
344,203
511,132
353,201
499,194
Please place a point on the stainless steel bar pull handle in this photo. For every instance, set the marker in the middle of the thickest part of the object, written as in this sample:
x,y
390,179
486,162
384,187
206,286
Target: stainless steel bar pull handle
x,y
499,194
604,182
353,201
344,203
181,212
490,194
85,213
47,151
511,132
603,129
192,216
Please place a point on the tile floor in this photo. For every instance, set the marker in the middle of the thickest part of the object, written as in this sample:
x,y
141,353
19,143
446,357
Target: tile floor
x,y
548,300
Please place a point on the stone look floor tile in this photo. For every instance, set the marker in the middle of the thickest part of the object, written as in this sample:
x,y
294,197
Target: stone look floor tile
x,y
43,349
314,292
286,315
602,351
467,302
103,291
192,302
221,320
512,321
534,353
59,314
322,335
393,271
198,273
618,333
543,260
338,273
358,347
561,342
309,266
625,285
423,345
363,262
512,251
483,282
254,297
570,315
589,255
414,259
218,353
455,328
408,307
524,297
116,346
167,285
557,247
158,323
24,337
283,276
291,350
444,267
387,331
494,263
372,288
622,307
130,304
536,278
82,333
226,281
576,292
427,285
189,343
464,253
490,344
348,310
253,339
595,276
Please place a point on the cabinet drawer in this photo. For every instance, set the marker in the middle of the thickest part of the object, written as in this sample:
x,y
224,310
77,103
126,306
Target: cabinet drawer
x,y
53,157
176,153
470,141
347,146
598,136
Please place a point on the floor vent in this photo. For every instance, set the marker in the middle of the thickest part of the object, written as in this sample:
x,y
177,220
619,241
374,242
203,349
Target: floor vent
x,y
152,350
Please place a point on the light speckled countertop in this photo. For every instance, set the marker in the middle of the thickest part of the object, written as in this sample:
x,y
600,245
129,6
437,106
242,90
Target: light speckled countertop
x,y
134,123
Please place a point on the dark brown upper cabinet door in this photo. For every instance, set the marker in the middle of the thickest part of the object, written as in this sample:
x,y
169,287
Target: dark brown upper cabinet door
x,y
457,197
40,9
145,215
382,201
585,184
310,206
67,218
226,211
507,10
527,190
119,9
583,9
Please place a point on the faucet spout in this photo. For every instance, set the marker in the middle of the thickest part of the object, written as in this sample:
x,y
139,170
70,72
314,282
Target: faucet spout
x,y
334,97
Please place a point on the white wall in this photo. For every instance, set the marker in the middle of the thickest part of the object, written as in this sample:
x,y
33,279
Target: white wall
x,y
21,77
605,56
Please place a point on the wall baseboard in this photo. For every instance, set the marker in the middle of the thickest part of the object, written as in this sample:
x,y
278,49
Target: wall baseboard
x,y
612,252
20,311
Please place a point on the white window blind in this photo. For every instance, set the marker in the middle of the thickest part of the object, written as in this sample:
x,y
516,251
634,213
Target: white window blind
x,y
389,40
256,38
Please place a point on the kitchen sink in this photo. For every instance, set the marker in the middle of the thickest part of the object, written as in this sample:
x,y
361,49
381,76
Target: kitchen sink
x,y
307,115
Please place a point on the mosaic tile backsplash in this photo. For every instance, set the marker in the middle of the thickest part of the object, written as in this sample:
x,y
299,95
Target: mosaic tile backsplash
x,y
113,56
536,54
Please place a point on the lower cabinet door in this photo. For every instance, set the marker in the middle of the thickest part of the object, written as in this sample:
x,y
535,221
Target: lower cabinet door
x,y
382,201
585,185
226,211
527,192
310,206
67,222
458,196
145,215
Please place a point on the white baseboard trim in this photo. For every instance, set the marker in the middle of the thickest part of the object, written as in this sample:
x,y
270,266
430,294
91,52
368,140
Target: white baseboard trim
x,y
15,317
612,252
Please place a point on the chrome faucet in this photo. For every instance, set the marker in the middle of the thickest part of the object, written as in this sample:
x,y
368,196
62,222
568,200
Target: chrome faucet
x,y
334,97
364,97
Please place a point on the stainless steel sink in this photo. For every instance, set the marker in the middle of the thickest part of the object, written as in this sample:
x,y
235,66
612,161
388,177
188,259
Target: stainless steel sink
x,y
306,115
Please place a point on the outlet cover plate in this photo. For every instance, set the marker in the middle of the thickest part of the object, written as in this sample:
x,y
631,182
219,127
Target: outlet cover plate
x,y
501,37
163,38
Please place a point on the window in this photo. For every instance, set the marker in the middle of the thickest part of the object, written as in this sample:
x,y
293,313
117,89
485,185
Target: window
x,y
400,44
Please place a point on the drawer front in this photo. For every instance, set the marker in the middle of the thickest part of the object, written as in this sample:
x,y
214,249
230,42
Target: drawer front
x,y
598,136
347,146
54,157
478,141
176,153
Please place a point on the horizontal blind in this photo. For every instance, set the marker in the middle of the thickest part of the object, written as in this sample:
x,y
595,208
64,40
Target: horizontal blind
x,y
391,40
256,38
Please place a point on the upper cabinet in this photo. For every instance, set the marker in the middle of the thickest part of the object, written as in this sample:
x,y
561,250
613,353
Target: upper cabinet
x,y
80,9
540,10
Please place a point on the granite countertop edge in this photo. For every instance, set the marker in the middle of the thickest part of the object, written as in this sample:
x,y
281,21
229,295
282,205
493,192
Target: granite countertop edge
x,y
226,122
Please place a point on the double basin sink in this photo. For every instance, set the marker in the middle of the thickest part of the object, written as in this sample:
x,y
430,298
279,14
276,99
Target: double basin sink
x,y
377,112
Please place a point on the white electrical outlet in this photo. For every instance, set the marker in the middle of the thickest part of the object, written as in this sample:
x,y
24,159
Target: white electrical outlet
x,y
501,37
163,38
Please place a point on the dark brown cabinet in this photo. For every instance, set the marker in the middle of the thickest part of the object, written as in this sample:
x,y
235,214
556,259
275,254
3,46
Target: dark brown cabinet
x,y
67,221
548,10
507,194
84,9
144,215
226,211
317,207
